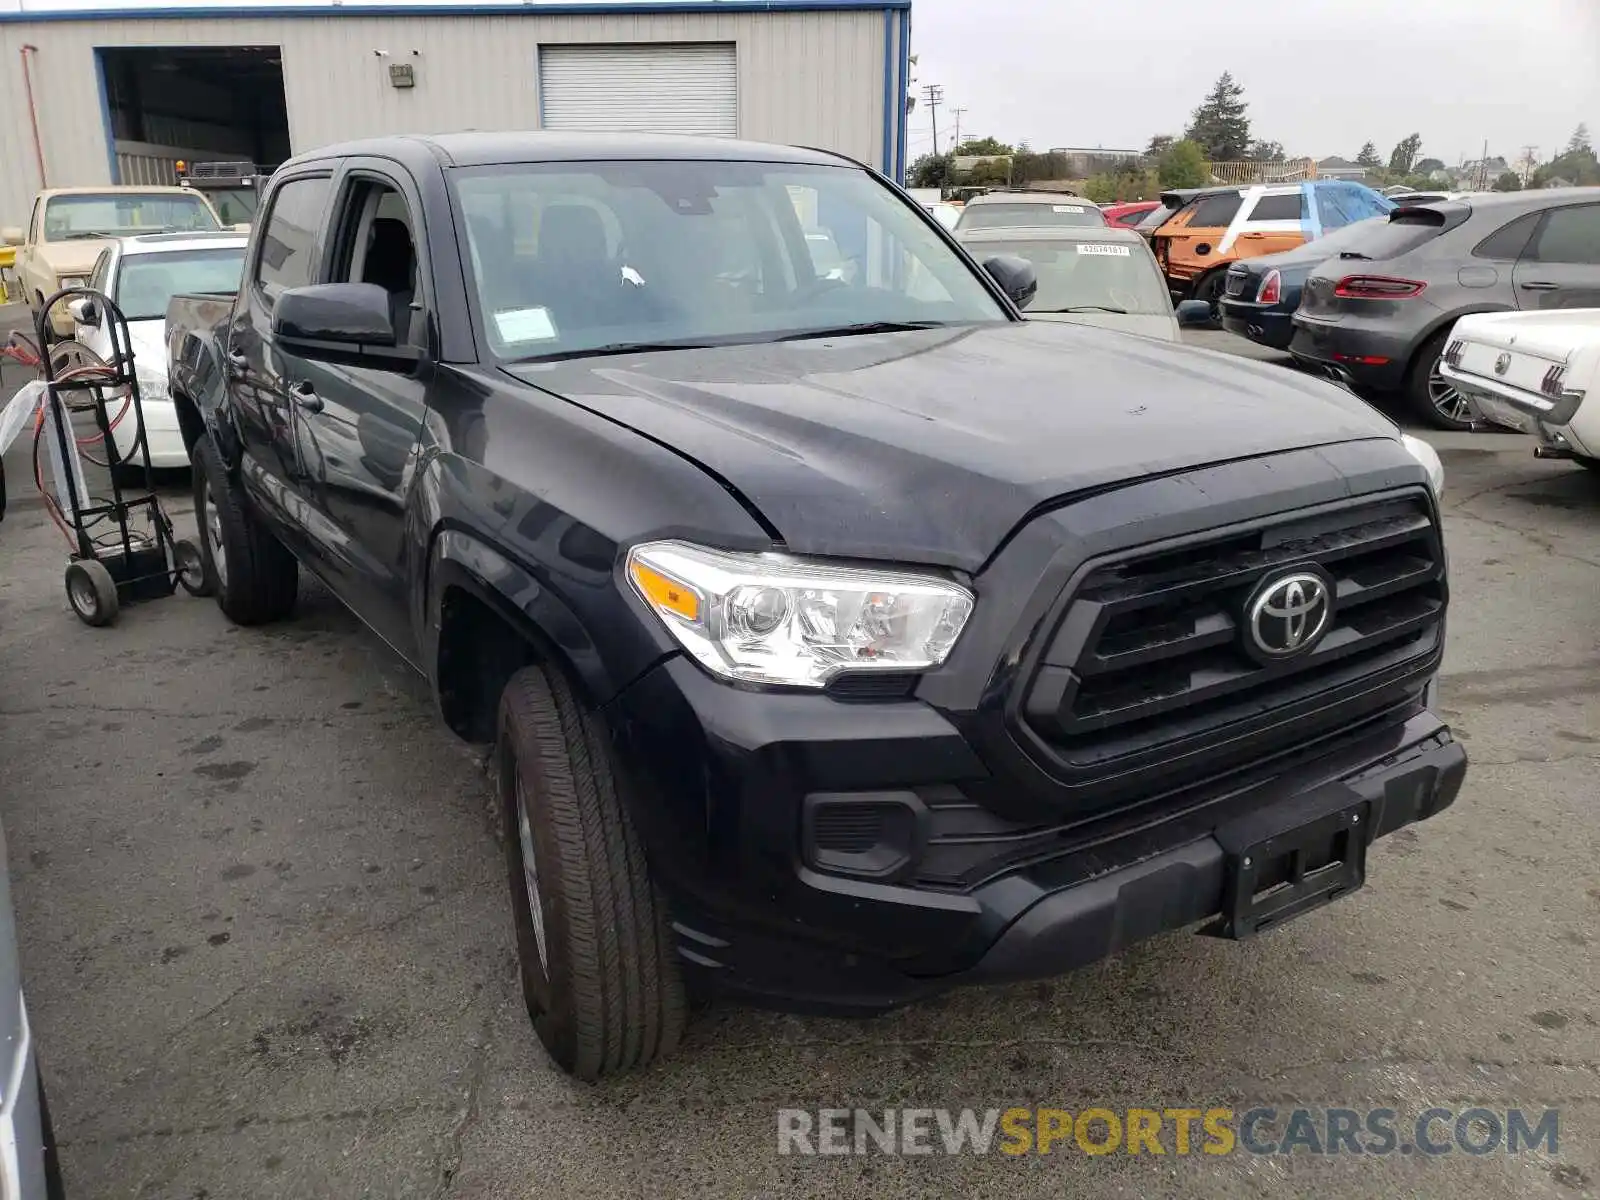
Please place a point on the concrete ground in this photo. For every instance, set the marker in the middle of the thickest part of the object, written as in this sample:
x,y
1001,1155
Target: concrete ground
x,y
261,904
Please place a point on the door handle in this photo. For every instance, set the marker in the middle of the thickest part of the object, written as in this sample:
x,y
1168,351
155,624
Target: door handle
x,y
1540,285
305,395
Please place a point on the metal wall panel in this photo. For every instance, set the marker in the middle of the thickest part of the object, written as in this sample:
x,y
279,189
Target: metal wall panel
x,y
813,78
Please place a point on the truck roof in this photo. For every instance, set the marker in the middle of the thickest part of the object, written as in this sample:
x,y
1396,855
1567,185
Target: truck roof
x,y
475,149
112,189
150,243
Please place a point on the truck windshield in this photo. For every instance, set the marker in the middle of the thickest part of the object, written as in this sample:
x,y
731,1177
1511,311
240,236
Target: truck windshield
x,y
123,213
569,258
1080,275
147,281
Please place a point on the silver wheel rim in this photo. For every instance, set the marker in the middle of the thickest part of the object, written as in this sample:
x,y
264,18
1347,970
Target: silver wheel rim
x,y
219,556
530,875
81,592
1447,401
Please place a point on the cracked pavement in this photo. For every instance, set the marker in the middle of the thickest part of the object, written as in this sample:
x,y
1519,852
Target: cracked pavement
x,y
261,904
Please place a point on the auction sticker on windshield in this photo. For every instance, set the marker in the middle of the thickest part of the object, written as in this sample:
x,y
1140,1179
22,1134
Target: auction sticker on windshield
x,y
1102,248
1067,208
524,325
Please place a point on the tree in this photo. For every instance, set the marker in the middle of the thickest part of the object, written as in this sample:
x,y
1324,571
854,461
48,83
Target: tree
x,y
1508,182
930,171
1265,152
1369,157
986,147
1183,166
1580,140
1220,125
1158,145
1404,156
1428,166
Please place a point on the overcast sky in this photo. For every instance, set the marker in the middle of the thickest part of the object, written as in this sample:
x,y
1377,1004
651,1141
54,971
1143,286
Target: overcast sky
x,y
1321,76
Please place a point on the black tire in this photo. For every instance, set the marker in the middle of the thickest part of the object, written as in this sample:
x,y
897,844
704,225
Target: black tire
x,y
605,993
1429,397
194,576
256,578
92,592
1209,288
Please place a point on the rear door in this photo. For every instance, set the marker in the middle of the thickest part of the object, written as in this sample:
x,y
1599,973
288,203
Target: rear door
x,y
288,254
1561,266
1273,222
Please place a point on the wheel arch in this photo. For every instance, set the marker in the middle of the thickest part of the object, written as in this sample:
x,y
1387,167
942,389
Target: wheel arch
x,y
1443,323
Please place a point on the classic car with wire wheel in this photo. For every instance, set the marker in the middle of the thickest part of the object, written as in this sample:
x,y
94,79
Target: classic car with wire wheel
x,y
1379,313
842,637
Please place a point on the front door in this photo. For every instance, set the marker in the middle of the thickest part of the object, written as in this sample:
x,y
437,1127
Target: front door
x,y
362,424
1561,266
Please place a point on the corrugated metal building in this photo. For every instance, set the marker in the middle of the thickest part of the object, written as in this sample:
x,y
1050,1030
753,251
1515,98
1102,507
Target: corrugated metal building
x,y
91,94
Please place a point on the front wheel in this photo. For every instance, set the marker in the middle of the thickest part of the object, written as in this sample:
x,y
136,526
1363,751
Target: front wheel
x,y
1431,396
599,972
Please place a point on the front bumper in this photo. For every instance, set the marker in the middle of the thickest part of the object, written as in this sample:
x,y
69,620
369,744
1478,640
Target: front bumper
x,y
1375,357
165,436
727,780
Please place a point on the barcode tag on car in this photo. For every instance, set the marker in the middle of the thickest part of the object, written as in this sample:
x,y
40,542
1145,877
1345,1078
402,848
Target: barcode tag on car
x,y
1102,248
524,325
1068,208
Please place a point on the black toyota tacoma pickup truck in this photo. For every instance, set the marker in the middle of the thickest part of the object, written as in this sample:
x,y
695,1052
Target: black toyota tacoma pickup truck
x,y
841,636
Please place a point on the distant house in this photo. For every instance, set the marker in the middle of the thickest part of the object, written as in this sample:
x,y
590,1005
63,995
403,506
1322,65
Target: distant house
x,y
1082,160
1334,167
1557,181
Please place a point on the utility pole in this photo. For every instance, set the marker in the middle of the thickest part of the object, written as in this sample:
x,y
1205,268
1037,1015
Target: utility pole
x,y
933,96
957,112
1530,159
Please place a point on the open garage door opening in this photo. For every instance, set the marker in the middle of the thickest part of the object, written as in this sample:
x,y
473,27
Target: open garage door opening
x,y
218,110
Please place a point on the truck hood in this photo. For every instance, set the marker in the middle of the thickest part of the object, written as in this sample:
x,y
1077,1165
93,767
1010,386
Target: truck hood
x,y
931,446
76,257
1153,325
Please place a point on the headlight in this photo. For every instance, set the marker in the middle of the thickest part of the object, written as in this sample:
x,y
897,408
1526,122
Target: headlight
x,y
769,618
1429,458
152,387
67,281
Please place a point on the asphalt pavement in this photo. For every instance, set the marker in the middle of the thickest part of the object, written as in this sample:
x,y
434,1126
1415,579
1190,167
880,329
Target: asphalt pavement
x,y
261,904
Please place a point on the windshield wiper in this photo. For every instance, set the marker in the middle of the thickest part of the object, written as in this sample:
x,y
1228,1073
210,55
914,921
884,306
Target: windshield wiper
x,y
1090,308
1355,254
612,348
862,328
83,236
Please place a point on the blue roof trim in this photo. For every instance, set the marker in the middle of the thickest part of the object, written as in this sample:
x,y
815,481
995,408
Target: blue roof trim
x,y
886,161
903,118
562,8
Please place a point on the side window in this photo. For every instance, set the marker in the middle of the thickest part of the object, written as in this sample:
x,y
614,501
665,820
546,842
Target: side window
x,y
377,245
1215,212
287,242
98,278
1509,241
1570,235
1280,208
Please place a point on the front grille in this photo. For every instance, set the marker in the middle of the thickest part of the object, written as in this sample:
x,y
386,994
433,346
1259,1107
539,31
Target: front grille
x,y
1149,664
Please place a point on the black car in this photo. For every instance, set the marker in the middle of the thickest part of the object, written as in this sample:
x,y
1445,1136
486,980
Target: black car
x,y
1380,312
1260,295
842,636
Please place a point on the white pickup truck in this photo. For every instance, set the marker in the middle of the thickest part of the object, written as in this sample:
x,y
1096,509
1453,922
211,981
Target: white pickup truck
x,y
1531,371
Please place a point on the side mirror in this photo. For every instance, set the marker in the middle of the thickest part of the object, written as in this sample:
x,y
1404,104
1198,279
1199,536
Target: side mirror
x,y
333,316
84,311
1193,314
1016,277
11,235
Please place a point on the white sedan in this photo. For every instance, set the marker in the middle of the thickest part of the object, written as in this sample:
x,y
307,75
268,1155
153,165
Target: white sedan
x,y
1538,372
140,274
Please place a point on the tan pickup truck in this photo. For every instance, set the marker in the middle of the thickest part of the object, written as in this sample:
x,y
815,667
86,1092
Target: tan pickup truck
x,y
68,227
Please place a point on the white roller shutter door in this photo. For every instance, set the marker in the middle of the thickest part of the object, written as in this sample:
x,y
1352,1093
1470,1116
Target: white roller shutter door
x,y
691,89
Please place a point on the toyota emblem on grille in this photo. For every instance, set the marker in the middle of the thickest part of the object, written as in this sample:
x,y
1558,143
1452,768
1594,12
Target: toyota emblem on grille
x,y
1288,615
